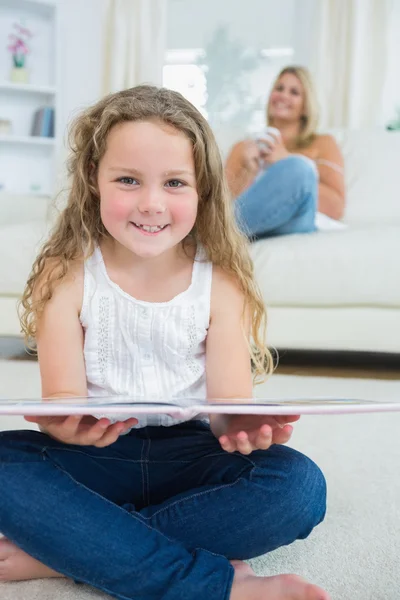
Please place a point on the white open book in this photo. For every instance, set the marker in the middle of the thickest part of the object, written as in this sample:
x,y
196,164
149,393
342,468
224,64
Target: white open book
x,y
114,405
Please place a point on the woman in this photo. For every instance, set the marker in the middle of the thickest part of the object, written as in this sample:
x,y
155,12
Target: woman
x,y
278,189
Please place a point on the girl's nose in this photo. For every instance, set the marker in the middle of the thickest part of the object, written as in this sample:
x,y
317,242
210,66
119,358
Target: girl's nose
x,y
151,202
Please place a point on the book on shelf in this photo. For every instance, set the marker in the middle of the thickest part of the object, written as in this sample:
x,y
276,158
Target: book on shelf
x,y
43,122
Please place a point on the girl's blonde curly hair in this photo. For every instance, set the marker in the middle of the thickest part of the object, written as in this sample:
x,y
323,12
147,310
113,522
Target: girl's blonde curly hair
x,y
79,227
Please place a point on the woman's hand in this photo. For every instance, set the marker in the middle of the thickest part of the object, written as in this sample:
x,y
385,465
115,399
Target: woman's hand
x,y
82,431
273,148
246,155
245,433
242,166
251,156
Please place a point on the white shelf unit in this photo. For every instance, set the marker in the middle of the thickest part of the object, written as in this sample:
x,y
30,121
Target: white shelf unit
x,y
7,86
28,163
27,139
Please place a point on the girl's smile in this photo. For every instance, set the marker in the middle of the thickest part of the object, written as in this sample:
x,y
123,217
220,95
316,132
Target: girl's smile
x,y
151,230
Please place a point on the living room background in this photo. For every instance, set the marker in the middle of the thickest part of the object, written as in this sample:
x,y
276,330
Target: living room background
x,y
280,32
99,41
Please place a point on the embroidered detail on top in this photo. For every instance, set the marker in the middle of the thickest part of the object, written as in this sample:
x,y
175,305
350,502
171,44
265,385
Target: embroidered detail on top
x,y
103,333
192,337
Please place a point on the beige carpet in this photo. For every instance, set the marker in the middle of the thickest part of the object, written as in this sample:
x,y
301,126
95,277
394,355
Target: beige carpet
x,y
355,553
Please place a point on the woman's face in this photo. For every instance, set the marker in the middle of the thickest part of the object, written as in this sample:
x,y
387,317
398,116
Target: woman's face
x,y
286,101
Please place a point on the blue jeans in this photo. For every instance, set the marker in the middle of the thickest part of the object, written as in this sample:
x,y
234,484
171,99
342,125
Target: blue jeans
x,y
282,200
157,514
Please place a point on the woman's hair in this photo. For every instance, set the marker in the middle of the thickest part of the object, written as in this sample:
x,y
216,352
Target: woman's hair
x,y
309,119
79,227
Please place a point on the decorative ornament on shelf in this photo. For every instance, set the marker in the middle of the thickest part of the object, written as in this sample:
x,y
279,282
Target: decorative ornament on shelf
x,y
394,124
5,126
19,49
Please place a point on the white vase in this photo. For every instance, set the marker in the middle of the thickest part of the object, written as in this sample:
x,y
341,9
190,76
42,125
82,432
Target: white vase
x,y
19,75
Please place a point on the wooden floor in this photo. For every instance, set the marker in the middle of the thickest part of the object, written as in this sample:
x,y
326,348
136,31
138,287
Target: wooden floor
x,y
358,365
304,363
12,348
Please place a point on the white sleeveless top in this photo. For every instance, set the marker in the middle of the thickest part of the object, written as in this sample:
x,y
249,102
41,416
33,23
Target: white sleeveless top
x,y
145,350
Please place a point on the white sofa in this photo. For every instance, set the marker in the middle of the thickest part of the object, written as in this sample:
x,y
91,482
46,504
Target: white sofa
x,y
23,225
325,291
340,290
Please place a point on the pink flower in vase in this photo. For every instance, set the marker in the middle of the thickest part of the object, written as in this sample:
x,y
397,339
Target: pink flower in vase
x,y
18,45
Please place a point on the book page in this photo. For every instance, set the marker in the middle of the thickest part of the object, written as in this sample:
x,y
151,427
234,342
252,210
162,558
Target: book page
x,y
190,407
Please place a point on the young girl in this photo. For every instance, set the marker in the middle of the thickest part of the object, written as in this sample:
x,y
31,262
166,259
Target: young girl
x,y
145,288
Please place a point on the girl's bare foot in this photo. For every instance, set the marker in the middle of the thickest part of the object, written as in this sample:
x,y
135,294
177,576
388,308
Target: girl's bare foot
x,y
246,586
16,565
240,565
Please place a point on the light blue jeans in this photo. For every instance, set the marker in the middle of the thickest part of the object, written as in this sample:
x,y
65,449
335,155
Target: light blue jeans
x,y
158,514
282,200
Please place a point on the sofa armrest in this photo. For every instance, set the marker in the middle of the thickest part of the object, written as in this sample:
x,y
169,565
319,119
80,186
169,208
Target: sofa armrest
x,y
19,245
19,208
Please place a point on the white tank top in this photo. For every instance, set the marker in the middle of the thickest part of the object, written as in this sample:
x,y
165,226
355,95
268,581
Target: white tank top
x,y
145,350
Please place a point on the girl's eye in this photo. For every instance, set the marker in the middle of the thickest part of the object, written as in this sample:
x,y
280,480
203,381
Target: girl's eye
x,y
175,183
126,180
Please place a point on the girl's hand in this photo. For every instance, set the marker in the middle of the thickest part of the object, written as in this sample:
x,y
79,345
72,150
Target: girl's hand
x,y
274,149
82,430
245,433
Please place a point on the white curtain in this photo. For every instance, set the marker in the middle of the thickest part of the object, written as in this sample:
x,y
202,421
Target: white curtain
x,y
351,61
135,41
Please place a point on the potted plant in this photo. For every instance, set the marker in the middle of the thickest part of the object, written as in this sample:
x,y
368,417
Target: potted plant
x,y
19,49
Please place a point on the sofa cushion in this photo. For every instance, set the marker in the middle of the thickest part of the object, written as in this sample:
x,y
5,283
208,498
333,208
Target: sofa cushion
x,y
19,245
353,267
372,173
372,159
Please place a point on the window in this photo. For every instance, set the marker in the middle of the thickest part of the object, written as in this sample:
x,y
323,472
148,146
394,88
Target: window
x,y
183,74
230,93
223,56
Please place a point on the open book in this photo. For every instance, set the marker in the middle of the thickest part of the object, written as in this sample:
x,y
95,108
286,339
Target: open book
x,y
114,405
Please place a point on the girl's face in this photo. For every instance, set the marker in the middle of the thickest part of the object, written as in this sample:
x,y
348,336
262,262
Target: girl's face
x,y
147,185
287,99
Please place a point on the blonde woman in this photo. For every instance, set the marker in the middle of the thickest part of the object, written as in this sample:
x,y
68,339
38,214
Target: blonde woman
x,y
146,289
291,178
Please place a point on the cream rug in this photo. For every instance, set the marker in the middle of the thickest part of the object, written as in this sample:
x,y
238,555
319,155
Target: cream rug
x,y
355,553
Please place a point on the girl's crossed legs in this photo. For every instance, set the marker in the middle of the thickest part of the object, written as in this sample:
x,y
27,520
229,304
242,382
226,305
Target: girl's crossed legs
x,y
160,513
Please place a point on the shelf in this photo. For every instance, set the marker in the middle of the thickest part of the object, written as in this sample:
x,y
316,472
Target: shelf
x,y
27,88
27,139
20,152
39,6
7,194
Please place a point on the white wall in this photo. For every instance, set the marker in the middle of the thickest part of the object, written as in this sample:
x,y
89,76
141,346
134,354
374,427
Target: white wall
x,y
391,92
305,23
259,23
80,59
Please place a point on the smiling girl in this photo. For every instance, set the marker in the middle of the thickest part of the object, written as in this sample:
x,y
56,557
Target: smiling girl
x,y
145,289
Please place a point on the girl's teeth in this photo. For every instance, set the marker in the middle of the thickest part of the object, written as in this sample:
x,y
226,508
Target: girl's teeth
x,y
150,229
